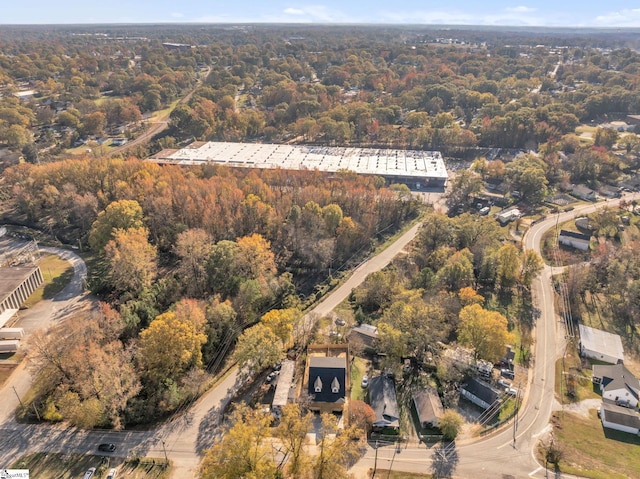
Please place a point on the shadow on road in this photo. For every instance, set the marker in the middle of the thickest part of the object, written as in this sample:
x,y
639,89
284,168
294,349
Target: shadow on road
x,y
445,459
209,429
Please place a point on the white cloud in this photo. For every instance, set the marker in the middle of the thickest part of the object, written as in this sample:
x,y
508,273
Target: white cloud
x,y
514,18
293,11
629,17
520,9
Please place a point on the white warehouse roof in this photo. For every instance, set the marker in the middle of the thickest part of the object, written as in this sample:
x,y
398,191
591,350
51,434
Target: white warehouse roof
x,y
408,164
601,342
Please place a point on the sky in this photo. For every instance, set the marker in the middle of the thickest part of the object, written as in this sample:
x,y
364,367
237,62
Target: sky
x,y
551,13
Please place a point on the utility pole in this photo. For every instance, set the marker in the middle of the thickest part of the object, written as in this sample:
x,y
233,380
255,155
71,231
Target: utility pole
x,y
165,453
375,463
20,400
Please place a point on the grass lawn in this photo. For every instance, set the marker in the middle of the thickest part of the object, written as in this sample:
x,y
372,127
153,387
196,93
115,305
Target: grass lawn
x,y
575,377
589,450
56,273
359,368
63,466
162,115
5,372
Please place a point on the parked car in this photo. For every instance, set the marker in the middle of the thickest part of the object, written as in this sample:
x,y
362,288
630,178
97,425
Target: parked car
x,y
365,381
507,373
504,383
107,447
89,474
272,376
340,322
112,474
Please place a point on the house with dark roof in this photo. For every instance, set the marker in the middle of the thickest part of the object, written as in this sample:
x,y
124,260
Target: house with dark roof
x,y
326,380
574,240
428,407
600,345
583,192
479,393
383,401
619,418
617,384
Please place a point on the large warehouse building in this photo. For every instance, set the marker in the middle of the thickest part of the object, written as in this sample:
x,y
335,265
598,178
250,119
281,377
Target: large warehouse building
x,y
412,167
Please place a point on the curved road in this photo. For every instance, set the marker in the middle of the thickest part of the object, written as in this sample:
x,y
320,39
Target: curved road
x,y
185,437
500,455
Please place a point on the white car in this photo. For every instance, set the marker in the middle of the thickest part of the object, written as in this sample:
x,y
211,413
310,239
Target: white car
x,y
112,474
365,381
89,474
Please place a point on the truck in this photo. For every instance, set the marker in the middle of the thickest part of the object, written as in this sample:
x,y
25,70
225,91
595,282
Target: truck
x,y
9,346
11,333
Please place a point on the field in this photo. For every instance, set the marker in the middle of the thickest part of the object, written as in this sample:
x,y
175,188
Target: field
x,y
63,466
56,273
591,451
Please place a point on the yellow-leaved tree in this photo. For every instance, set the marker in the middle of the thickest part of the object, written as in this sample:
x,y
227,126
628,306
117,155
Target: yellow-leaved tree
x,y
484,331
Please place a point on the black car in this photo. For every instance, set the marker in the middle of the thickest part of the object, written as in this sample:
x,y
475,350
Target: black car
x,y
107,447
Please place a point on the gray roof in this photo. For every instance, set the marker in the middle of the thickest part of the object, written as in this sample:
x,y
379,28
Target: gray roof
x,y
281,396
428,406
617,377
384,162
382,397
482,390
12,277
600,341
619,415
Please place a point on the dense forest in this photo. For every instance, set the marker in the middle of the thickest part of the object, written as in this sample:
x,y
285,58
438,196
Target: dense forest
x,y
198,257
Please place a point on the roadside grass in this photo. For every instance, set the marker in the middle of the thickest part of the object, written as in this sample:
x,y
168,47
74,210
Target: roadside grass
x,y
591,451
576,382
68,466
162,115
56,273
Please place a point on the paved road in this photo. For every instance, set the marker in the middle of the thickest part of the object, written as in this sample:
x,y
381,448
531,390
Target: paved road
x,y
186,436
499,454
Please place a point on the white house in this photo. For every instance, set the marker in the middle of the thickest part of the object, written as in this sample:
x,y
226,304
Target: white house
x,y
619,418
508,215
617,384
598,344
574,240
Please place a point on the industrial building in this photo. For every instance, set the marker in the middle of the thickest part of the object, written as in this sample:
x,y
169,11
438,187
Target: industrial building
x,y
16,285
412,167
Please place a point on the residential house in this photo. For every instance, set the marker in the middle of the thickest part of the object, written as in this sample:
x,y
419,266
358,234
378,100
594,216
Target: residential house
x,y
600,345
619,418
326,378
610,191
428,407
582,192
617,384
365,335
383,401
479,393
584,224
574,240
508,216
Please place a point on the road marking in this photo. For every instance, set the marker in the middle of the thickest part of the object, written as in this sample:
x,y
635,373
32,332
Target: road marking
x,y
533,473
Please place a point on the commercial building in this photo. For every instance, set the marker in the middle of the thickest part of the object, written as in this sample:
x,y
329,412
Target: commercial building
x,y
600,345
412,167
16,285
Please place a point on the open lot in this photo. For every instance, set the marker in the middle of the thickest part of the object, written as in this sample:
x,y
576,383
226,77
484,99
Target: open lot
x,y
72,466
56,273
591,451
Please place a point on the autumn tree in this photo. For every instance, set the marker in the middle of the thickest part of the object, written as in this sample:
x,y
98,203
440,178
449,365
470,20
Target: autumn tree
x,y
469,296
169,347
484,331
281,322
292,431
508,266
258,348
531,266
193,247
242,450
131,261
450,424
335,450
119,215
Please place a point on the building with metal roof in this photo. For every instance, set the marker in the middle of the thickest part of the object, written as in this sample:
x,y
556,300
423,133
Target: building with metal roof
x,y
414,167
601,345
